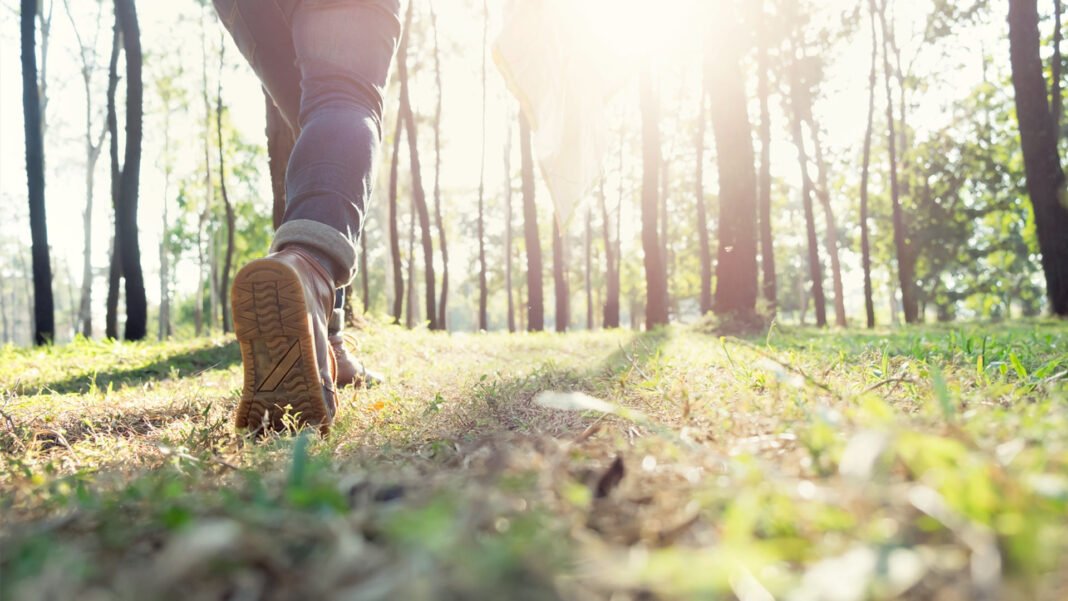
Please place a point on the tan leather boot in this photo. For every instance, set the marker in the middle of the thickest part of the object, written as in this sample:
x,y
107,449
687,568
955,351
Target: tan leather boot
x,y
281,304
350,371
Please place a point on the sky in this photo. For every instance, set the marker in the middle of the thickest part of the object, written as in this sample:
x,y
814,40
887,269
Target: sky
x,y
171,35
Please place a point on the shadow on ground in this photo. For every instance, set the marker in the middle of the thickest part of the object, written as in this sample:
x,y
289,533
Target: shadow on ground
x,y
167,367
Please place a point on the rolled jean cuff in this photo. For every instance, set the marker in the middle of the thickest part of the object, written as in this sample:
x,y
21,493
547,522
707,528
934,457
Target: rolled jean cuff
x,y
324,239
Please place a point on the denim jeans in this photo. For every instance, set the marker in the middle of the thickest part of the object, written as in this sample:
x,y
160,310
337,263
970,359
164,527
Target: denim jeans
x,y
325,64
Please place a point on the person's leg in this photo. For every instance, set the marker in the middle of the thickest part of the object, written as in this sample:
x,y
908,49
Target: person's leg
x,y
344,49
283,303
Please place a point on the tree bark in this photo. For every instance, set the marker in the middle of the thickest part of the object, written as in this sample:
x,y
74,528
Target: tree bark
x,y
767,241
111,317
483,288
280,142
865,235
705,247
736,267
439,220
1038,137
205,252
655,278
84,323
831,238
904,264
508,226
1056,97
588,241
165,329
418,194
394,230
535,293
136,301
231,220
814,266
611,300
561,284
43,309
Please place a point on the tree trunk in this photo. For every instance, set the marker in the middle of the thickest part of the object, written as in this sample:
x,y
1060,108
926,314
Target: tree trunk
x,y
905,268
394,229
136,301
483,289
611,301
1056,97
204,249
231,220
165,329
561,284
705,299
1038,137
831,239
814,266
439,220
655,278
410,316
535,293
589,268
43,310
84,323
418,195
865,235
508,226
767,241
736,267
365,283
111,317
280,144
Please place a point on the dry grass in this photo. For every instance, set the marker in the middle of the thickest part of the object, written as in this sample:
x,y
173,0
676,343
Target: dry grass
x,y
921,464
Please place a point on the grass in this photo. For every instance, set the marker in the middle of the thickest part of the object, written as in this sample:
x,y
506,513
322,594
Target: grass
x,y
926,463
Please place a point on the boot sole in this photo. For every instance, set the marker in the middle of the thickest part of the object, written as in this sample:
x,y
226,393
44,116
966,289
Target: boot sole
x,y
271,321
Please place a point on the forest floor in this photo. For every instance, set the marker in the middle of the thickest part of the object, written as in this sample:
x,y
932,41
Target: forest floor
x,y
921,463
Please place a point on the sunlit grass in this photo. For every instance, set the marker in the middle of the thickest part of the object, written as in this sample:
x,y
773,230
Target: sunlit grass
x,y
897,463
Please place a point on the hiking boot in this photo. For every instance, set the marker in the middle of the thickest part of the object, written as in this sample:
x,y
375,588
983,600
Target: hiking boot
x,y
350,371
281,304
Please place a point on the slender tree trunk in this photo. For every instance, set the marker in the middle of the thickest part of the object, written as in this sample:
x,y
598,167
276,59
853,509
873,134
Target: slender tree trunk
x,y
535,293
767,241
204,248
164,252
365,283
483,289
280,144
904,263
1038,137
814,266
231,220
84,323
43,310
111,318
611,301
136,301
418,195
588,240
705,299
655,278
865,235
508,226
1058,66
394,230
411,316
440,221
831,239
561,285
736,266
